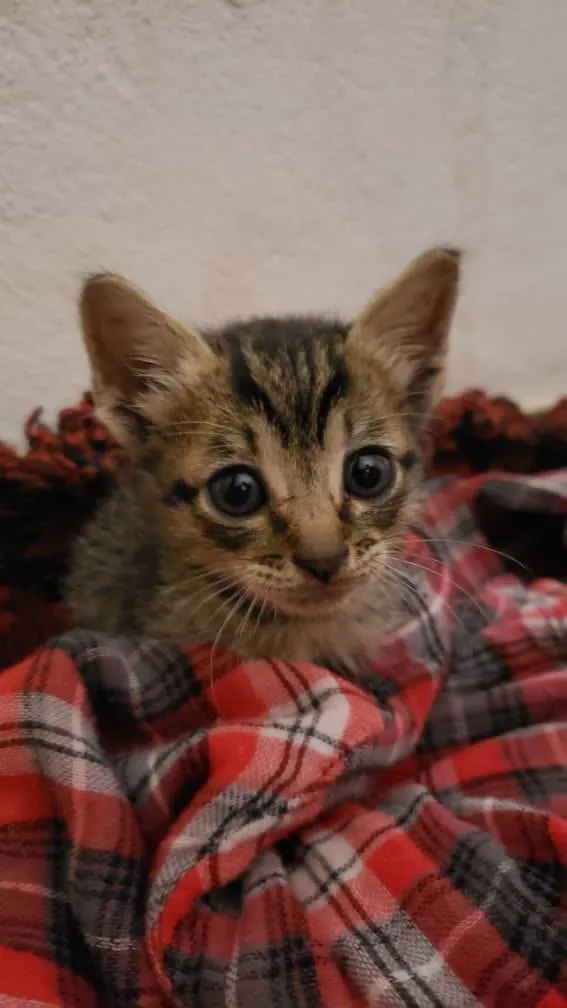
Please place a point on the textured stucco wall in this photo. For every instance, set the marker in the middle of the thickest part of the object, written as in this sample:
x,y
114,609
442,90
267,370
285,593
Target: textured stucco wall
x,y
238,156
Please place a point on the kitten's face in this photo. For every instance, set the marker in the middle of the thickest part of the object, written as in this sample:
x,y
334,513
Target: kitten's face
x,y
283,456
287,471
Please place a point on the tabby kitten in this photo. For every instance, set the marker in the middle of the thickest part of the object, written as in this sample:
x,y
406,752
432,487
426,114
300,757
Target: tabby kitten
x,y
271,469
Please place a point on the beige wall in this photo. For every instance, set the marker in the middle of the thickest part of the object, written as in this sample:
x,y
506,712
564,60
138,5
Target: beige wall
x,y
238,156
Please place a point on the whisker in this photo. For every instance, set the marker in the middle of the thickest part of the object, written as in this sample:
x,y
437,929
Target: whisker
x,y
408,415
399,581
241,626
189,426
259,616
474,545
215,593
483,611
411,588
198,423
210,576
173,591
446,541
216,641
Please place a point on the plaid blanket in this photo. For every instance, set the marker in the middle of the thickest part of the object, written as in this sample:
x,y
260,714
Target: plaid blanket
x,y
179,828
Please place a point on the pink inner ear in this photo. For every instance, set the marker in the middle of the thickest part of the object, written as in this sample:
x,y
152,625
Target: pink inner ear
x,y
416,309
114,365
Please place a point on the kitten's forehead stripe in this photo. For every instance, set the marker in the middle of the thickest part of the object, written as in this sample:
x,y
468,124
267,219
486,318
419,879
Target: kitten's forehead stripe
x,y
335,389
290,370
250,438
251,393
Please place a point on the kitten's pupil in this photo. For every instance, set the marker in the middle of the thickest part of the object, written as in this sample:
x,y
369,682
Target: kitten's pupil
x,y
236,491
369,473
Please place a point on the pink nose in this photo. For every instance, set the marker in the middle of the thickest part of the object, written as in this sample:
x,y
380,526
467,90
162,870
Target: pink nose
x,y
323,567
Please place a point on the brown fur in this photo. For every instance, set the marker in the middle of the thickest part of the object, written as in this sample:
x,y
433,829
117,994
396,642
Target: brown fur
x,y
290,398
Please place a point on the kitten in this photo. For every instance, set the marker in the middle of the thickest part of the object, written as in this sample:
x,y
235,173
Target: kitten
x,y
271,469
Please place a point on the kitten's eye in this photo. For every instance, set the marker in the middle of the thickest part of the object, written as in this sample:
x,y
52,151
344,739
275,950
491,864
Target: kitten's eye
x,y
237,491
369,473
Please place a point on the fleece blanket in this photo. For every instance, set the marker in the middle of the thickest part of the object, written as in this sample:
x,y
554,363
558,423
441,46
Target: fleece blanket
x,y
179,828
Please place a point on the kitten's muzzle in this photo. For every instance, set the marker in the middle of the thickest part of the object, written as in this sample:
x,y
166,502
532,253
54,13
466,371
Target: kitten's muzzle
x,y
323,567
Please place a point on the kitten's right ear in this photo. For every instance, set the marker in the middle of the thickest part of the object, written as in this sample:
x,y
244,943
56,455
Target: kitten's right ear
x,y
136,353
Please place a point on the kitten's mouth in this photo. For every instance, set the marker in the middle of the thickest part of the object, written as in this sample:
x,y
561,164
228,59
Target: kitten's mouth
x,y
309,604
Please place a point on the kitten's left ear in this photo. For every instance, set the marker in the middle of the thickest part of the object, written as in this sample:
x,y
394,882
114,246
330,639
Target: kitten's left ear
x,y
405,328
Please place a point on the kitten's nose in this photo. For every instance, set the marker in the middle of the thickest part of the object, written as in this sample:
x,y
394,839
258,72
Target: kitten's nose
x,y
322,567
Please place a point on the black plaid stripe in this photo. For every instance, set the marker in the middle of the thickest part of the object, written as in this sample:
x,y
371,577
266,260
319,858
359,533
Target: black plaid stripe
x,y
479,868
137,782
285,957
384,956
431,829
545,783
371,952
241,807
67,944
328,878
238,807
477,663
165,676
298,735
381,690
104,893
25,849
419,601
196,979
547,880
38,724
281,974
540,784
494,713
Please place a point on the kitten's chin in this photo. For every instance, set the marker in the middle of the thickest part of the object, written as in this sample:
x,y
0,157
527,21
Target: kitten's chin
x,y
312,605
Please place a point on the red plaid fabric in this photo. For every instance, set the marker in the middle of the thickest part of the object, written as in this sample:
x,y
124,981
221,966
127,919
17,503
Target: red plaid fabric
x,y
181,831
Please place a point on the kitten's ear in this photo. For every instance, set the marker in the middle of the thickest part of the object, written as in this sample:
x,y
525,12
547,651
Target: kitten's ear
x,y
135,351
405,328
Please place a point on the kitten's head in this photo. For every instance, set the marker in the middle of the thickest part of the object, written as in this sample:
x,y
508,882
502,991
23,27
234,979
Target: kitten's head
x,y
281,455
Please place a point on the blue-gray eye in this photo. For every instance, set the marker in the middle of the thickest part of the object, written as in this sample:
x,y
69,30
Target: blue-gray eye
x,y
369,473
237,491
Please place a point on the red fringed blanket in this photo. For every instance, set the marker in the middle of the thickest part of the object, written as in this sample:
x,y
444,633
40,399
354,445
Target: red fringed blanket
x,y
178,828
